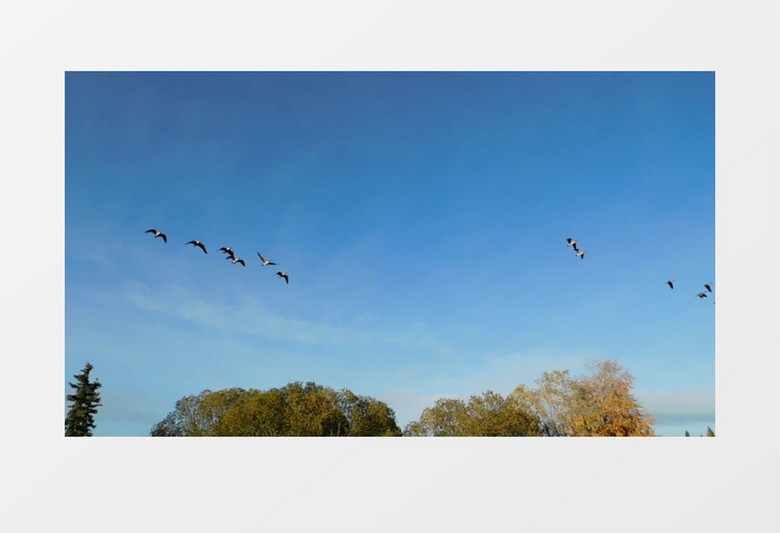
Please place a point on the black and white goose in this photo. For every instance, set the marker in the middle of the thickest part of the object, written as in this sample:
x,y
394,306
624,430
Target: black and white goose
x,y
708,286
235,260
265,261
581,254
199,245
571,242
283,275
228,251
670,283
157,234
702,295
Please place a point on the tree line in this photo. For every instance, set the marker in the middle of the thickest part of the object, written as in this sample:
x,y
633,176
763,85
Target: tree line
x,y
600,403
560,405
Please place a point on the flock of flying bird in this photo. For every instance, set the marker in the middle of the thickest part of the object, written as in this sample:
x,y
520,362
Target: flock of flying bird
x,y
265,262
581,254
231,255
702,294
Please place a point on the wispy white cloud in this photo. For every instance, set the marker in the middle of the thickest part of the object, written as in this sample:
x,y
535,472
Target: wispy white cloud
x,y
250,316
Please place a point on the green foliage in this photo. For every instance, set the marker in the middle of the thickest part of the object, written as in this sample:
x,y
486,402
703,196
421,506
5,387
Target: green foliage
x,y
445,419
599,404
296,409
492,415
80,421
367,416
489,415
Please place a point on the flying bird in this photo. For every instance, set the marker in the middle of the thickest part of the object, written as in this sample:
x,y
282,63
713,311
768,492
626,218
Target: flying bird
x,y
199,245
236,260
283,275
228,251
157,234
702,295
670,283
708,286
571,242
581,254
265,261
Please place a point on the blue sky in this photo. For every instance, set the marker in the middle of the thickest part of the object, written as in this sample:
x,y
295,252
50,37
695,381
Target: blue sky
x,y
422,217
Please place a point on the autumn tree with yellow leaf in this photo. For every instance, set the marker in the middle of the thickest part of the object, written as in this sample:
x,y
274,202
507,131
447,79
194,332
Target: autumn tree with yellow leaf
x,y
600,404
561,405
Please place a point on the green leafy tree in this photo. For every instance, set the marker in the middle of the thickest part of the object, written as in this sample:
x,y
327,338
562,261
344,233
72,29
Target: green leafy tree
x,y
296,409
488,415
255,414
312,410
367,416
492,415
85,400
447,418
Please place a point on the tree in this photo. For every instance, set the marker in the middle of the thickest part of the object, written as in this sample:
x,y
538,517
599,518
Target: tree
x,y
445,419
612,410
80,420
601,404
184,419
255,414
296,409
492,415
367,416
488,415
556,403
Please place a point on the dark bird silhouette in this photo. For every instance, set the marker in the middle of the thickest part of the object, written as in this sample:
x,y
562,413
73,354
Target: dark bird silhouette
x,y
157,234
265,261
199,245
228,251
581,254
670,283
571,242
236,260
708,286
283,275
702,295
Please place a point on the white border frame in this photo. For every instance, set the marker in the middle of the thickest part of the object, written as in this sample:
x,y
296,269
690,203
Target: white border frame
x,y
299,484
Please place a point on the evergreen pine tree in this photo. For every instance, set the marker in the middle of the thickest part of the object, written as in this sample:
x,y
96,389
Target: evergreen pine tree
x,y
687,434
85,400
710,433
